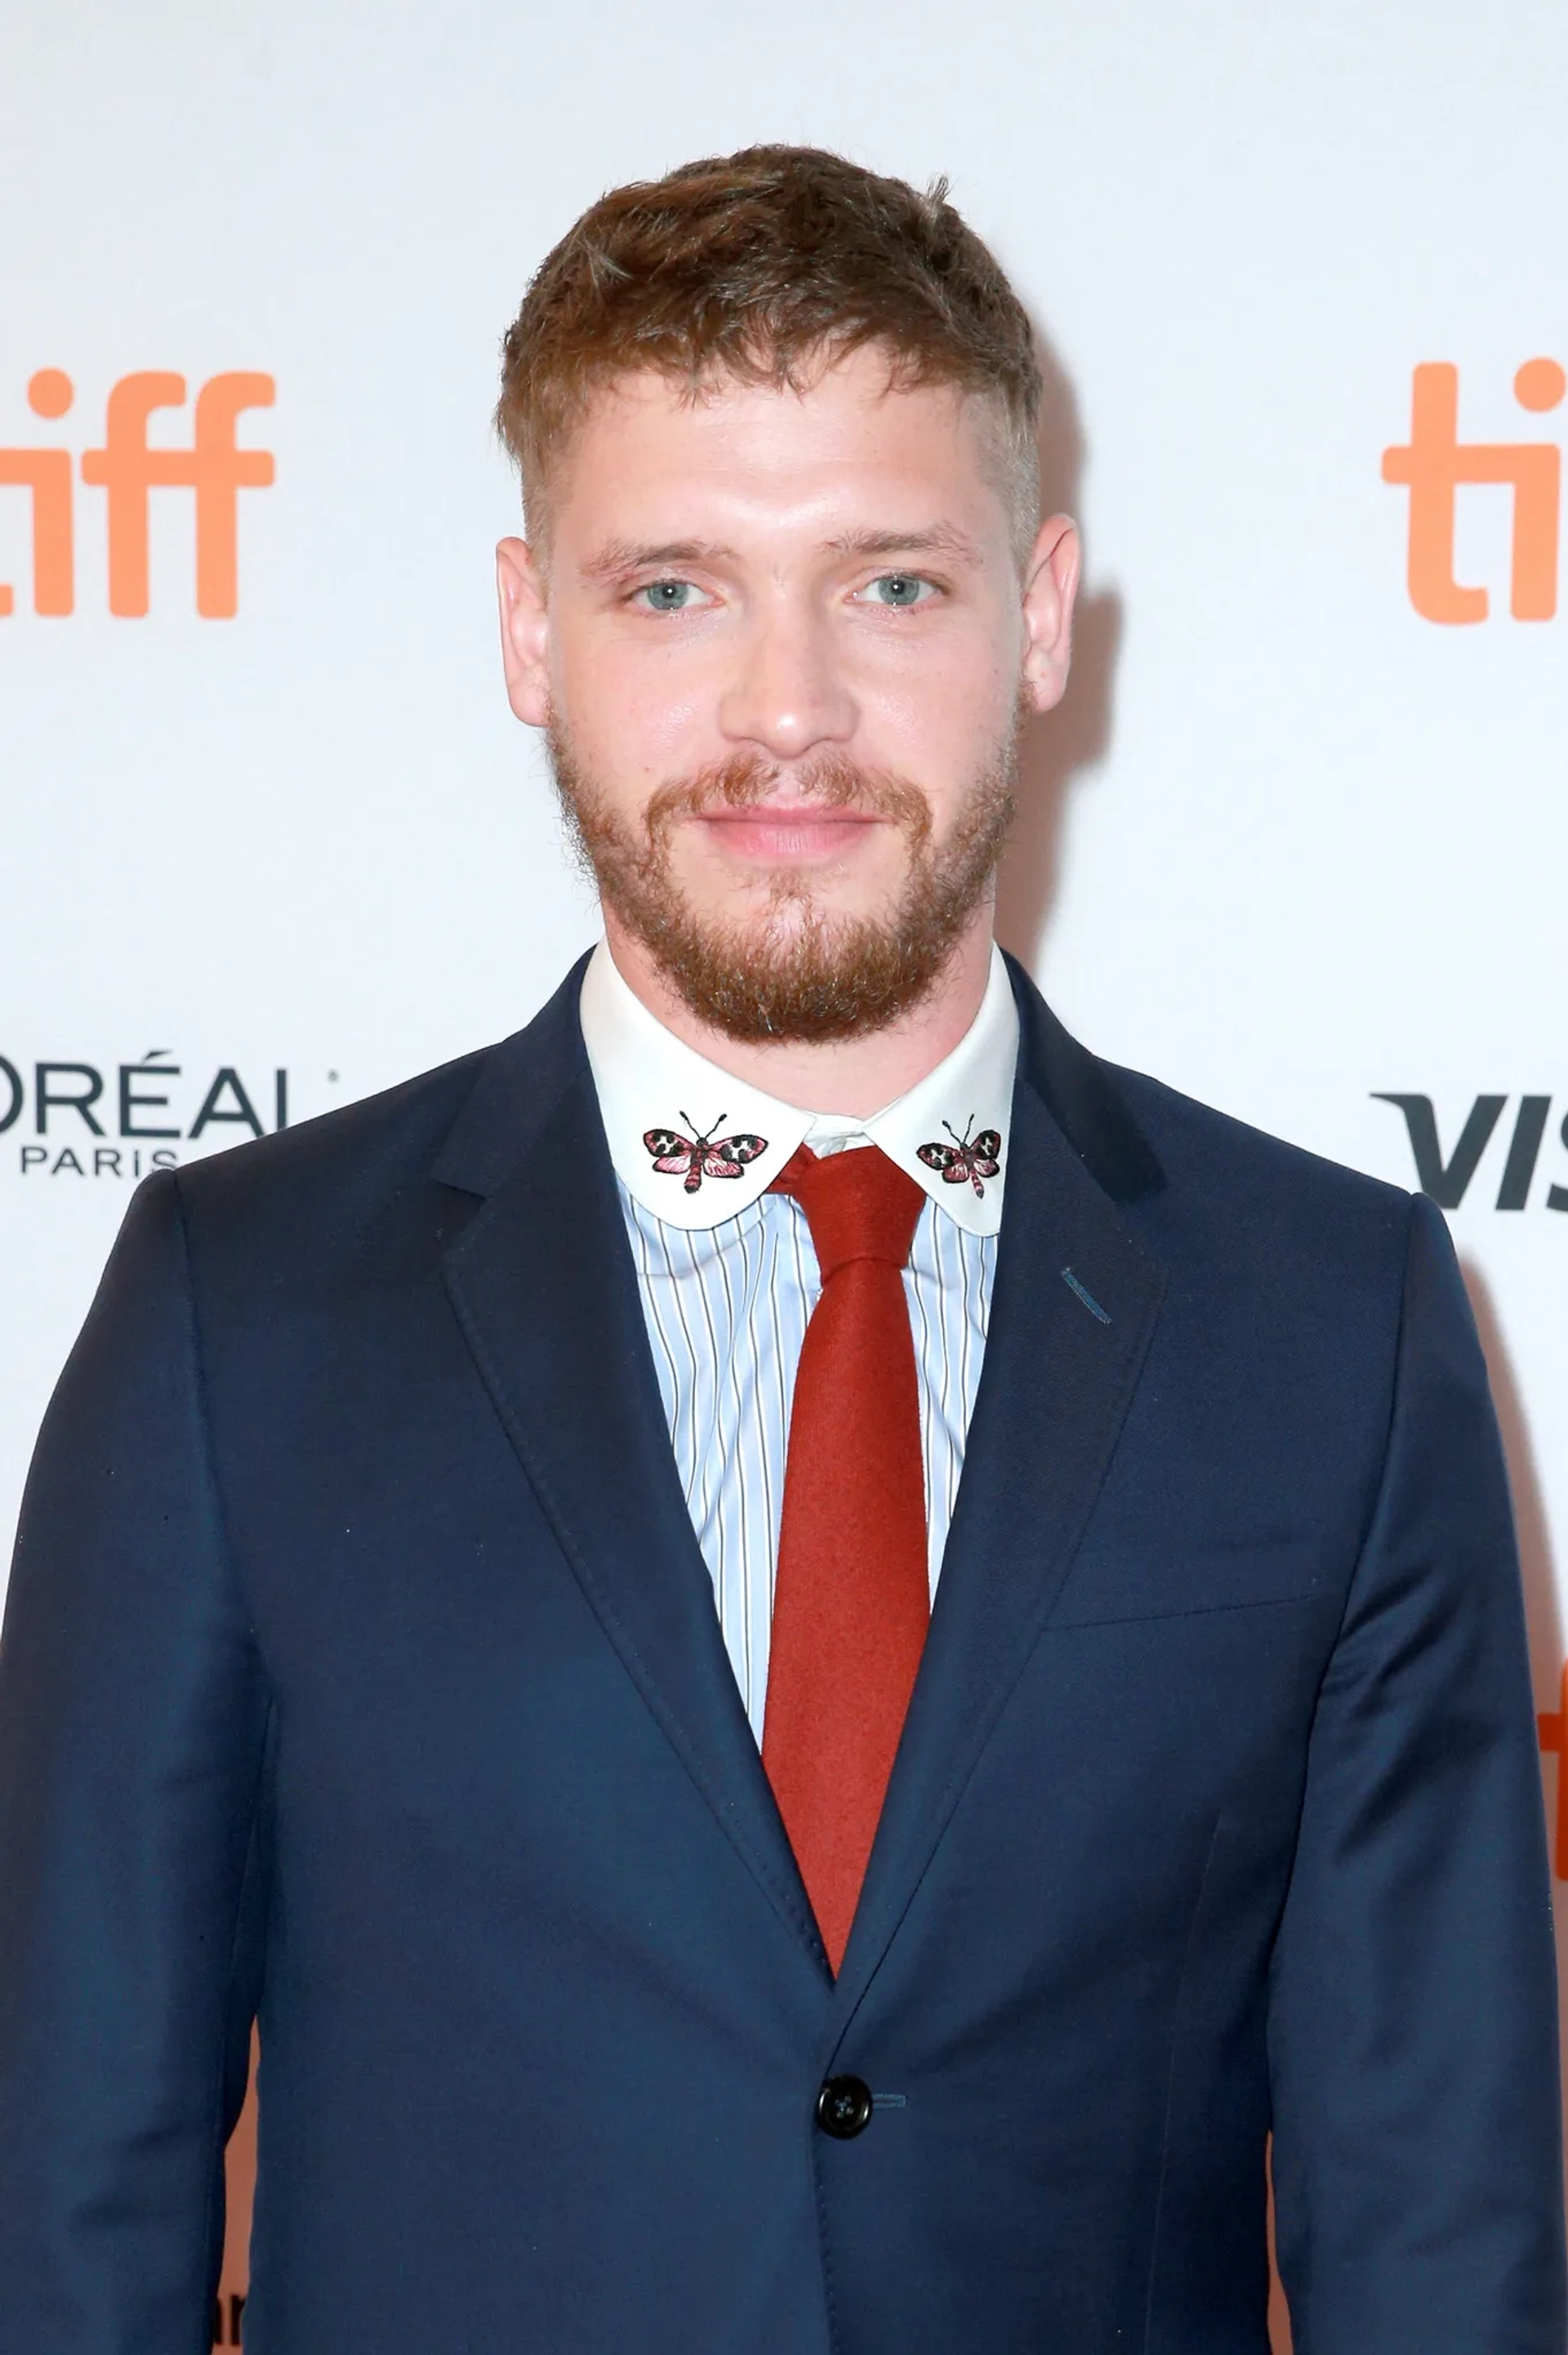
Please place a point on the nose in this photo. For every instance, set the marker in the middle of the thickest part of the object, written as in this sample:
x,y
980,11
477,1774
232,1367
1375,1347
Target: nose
x,y
787,695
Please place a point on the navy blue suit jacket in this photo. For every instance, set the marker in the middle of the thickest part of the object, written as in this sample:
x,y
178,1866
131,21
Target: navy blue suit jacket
x,y
360,1674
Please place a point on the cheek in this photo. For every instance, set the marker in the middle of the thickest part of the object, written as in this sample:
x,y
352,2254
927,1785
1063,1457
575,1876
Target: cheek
x,y
637,716
944,707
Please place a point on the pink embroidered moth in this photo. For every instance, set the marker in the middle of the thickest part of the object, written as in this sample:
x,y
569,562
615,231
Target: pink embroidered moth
x,y
962,1158
700,1156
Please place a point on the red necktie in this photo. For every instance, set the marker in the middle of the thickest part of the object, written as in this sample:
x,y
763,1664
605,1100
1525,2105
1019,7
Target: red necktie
x,y
852,1600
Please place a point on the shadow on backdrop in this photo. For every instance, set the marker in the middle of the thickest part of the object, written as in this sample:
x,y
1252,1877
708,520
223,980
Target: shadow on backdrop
x,y
1057,747
1543,1612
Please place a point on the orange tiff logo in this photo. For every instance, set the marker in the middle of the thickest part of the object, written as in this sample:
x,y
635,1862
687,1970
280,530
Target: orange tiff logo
x,y
128,469
1433,465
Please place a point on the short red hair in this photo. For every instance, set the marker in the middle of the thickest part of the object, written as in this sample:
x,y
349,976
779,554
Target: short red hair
x,y
760,266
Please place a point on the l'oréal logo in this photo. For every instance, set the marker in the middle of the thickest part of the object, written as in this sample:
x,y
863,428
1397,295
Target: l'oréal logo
x,y
67,1116
1448,1157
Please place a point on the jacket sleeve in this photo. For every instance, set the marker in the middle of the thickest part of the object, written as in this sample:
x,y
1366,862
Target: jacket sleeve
x,y
1414,2011
132,1726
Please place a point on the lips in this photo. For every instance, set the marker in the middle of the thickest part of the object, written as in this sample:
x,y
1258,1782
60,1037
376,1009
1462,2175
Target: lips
x,y
795,830
814,817
811,812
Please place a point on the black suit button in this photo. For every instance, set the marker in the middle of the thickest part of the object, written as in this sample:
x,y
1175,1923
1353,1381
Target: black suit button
x,y
844,2108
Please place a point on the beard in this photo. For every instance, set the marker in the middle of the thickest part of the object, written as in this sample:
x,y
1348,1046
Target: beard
x,y
797,970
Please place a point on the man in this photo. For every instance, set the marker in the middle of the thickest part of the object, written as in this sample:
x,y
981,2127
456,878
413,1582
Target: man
x,y
811,1658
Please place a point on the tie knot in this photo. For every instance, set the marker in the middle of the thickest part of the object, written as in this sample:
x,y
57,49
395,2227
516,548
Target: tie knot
x,y
858,1205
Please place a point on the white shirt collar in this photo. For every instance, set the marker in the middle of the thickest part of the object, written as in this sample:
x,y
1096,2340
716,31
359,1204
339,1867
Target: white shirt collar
x,y
648,1079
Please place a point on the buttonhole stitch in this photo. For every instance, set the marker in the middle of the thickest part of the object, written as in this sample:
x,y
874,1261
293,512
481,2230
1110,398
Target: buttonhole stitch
x,y
1090,1303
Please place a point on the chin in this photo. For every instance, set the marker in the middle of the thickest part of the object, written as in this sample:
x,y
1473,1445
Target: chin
x,y
796,895
784,912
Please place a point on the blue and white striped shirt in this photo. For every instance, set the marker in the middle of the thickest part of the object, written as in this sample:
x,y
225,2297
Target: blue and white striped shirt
x,y
729,1277
726,1309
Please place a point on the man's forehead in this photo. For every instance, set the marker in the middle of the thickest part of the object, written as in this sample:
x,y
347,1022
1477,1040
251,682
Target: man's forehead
x,y
893,459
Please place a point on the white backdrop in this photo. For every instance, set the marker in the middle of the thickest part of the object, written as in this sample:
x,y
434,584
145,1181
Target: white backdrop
x,y
1290,842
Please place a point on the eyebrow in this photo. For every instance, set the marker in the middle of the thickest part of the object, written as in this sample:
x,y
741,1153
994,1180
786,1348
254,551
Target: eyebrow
x,y
932,540
619,557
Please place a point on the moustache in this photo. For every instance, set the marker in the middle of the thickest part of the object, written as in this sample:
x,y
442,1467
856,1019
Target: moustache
x,y
831,780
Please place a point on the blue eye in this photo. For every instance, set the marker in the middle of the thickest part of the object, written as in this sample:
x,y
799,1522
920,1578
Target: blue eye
x,y
901,589
667,596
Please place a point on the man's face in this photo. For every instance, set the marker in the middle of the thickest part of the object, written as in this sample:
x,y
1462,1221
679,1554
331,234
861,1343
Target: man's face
x,y
781,650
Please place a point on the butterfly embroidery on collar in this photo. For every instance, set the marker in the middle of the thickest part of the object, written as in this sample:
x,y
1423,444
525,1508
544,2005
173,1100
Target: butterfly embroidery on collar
x,y
963,1158
701,1155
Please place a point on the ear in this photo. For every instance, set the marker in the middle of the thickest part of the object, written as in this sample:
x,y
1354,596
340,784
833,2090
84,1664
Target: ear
x,y
525,630
1050,586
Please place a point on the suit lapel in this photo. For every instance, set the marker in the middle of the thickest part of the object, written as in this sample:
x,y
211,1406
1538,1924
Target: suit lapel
x,y
544,1288
1059,1375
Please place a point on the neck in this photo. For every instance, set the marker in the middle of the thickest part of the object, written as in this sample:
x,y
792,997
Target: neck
x,y
857,1076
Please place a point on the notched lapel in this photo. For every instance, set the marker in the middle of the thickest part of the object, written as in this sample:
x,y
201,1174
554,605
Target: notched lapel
x,y
544,1288
1074,1307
